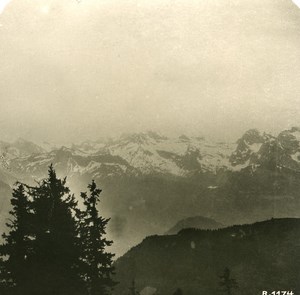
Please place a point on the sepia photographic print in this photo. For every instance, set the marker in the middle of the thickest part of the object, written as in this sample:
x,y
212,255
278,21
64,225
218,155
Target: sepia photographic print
x,y
149,147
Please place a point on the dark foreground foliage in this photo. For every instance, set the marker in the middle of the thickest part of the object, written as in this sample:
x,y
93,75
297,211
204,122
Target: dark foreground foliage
x,y
53,247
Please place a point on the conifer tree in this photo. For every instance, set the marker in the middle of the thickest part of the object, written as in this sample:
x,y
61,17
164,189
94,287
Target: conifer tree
x,y
16,247
98,267
227,283
56,249
52,247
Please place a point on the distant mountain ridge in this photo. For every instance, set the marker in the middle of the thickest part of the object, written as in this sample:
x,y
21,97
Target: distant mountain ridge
x,y
196,222
19,148
149,152
144,152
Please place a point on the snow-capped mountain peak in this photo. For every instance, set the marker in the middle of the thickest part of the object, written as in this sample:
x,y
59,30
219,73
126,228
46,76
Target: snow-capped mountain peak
x,y
152,153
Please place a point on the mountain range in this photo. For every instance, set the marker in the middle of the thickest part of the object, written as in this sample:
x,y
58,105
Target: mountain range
x,y
151,181
149,152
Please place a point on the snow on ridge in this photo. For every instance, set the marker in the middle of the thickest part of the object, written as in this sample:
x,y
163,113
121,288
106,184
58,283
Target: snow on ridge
x,y
296,134
146,155
296,157
91,167
39,162
255,147
238,168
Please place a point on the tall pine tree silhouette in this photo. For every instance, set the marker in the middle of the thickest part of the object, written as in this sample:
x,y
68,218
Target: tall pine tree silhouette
x,y
227,283
16,248
98,267
56,249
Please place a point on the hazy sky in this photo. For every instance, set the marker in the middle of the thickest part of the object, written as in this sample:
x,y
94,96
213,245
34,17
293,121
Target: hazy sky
x,y
72,70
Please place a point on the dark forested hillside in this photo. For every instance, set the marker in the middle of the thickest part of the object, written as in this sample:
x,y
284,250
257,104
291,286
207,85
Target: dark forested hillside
x,y
260,256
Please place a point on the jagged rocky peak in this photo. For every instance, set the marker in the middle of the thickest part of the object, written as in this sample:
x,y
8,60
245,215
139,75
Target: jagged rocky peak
x,y
67,152
252,136
295,129
291,134
289,140
272,153
62,153
92,146
155,135
22,147
65,149
142,137
248,145
184,138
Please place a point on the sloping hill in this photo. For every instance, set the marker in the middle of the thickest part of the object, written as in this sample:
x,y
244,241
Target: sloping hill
x,y
196,222
261,256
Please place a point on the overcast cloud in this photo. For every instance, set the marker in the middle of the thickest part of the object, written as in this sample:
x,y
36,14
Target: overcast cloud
x,y
72,70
